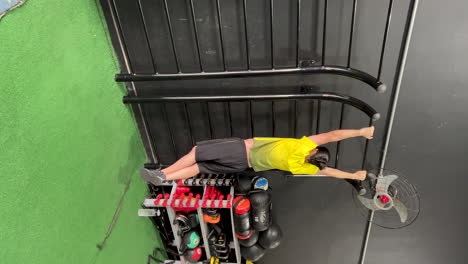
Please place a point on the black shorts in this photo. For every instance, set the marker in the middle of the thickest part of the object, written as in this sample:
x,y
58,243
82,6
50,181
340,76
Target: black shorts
x,y
226,155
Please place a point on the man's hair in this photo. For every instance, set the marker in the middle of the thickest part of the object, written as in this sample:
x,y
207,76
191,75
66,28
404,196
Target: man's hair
x,y
321,158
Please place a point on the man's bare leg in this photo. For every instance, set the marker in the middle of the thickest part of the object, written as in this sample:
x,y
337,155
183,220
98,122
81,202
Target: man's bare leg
x,y
183,168
184,162
183,173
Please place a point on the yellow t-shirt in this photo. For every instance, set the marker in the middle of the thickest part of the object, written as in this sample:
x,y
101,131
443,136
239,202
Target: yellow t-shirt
x,y
286,154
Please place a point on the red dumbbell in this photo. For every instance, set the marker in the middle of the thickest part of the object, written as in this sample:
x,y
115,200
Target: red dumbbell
x,y
188,200
212,198
197,201
207,192
220,201
166,199
174,198
229,198
182,189
158,199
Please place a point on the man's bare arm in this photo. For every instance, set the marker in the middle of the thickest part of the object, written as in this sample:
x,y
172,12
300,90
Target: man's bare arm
x,y
338,135
358,175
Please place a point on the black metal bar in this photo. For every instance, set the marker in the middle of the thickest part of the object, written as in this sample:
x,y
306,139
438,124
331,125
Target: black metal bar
x,y
369,223
230,118
166,120
324,36
310,126
295,119
384,42
195,30
145,28
187,117
209,119
337,155
364,107
246,34
273,119
220,25
366,147
403,52
116,22
398,77
140,116
351,33
271,36
251,119
319,107
339,70
171,34
298,31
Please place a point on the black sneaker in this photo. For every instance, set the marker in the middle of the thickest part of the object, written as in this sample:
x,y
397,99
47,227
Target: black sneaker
x,y
155,177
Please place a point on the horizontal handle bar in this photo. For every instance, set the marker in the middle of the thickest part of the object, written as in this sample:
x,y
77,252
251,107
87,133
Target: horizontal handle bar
x,y
364,107
339,70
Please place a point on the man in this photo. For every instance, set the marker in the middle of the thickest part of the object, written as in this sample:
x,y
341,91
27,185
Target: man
x,y
231,155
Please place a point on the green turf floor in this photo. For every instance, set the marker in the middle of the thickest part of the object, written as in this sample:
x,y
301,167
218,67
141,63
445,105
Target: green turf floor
x,y
68,146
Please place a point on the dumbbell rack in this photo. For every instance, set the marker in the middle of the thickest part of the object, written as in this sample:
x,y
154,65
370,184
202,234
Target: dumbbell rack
x,y
171,201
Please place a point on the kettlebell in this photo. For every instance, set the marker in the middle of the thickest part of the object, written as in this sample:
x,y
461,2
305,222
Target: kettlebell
x,y
271,238
243,183
252,240
253,253
193,255
190,240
